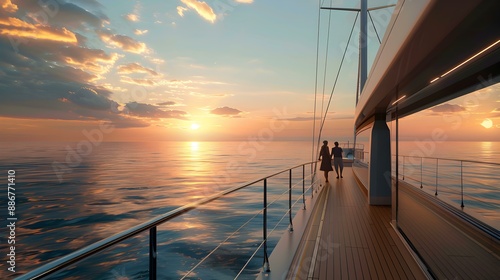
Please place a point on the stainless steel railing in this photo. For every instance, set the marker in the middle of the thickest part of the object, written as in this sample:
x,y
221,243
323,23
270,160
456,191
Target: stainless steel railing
x,y
455,181
469,185
151,226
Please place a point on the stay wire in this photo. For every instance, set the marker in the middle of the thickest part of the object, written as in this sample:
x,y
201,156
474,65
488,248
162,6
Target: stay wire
x,y
336,79
316,87
326,59
375,28
326,69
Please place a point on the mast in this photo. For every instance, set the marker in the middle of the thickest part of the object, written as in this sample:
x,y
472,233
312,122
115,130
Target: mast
x,y
363,45
363,40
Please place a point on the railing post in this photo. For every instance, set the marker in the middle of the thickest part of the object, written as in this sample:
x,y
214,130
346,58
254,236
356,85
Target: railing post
x,y
462,183
290,199
267,268
152,253
313,180
437,166
421,171
403,168
304,186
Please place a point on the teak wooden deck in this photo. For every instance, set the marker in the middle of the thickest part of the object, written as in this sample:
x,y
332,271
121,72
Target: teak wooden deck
x,y
355,240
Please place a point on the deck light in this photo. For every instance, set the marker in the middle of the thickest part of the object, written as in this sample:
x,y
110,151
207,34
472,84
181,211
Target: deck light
x,y
466,61
399,99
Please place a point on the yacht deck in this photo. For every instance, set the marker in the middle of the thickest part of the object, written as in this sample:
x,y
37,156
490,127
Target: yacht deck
x,y
349,239
343,237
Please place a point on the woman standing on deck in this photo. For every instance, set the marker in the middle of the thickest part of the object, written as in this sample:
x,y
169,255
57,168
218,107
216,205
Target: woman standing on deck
x,y
326,159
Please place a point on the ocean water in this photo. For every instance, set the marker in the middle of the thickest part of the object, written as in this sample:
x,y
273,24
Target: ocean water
x,y
69,195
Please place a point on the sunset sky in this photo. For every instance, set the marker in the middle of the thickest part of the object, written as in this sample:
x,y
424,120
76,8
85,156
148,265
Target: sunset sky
x,y
185,70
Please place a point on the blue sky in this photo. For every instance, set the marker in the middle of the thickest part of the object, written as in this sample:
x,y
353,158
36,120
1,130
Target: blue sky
x,y
152,69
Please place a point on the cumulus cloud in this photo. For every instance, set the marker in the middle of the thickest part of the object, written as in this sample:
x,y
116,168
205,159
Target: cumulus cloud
x,y
225,111
447,108
92,60
47,71
201,7
62,14
136,68
140,32
8,7
181,10
16,28
89,98
132,17
123,42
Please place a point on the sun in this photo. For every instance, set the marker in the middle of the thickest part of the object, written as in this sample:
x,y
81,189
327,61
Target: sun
x,y
195,126
487,123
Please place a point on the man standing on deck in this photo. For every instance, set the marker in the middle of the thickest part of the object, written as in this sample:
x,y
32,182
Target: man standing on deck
x,y
337,159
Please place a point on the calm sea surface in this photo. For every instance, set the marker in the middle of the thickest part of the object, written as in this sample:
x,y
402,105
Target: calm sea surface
x,y
69,195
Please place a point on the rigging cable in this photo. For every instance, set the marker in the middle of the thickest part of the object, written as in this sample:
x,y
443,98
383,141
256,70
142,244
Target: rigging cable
x,y
336,79
315,90
316,82
375,28
326,61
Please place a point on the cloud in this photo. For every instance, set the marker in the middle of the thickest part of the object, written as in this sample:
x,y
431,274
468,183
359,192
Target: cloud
x,y
495,113
244,1
123,42
89,98
47,71
17,29
447,108
62,14
135,68
202,8
225,111
140,32
152,111
8,7
181,10
167,103
132,17
139,82
92,60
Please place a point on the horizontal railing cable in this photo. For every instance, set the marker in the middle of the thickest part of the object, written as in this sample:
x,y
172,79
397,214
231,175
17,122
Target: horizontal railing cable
x,y
277,224
450,183
222,243
242,226
269,234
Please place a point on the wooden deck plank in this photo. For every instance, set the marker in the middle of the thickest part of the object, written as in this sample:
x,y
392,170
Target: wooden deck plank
x,y
363,247
456,255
